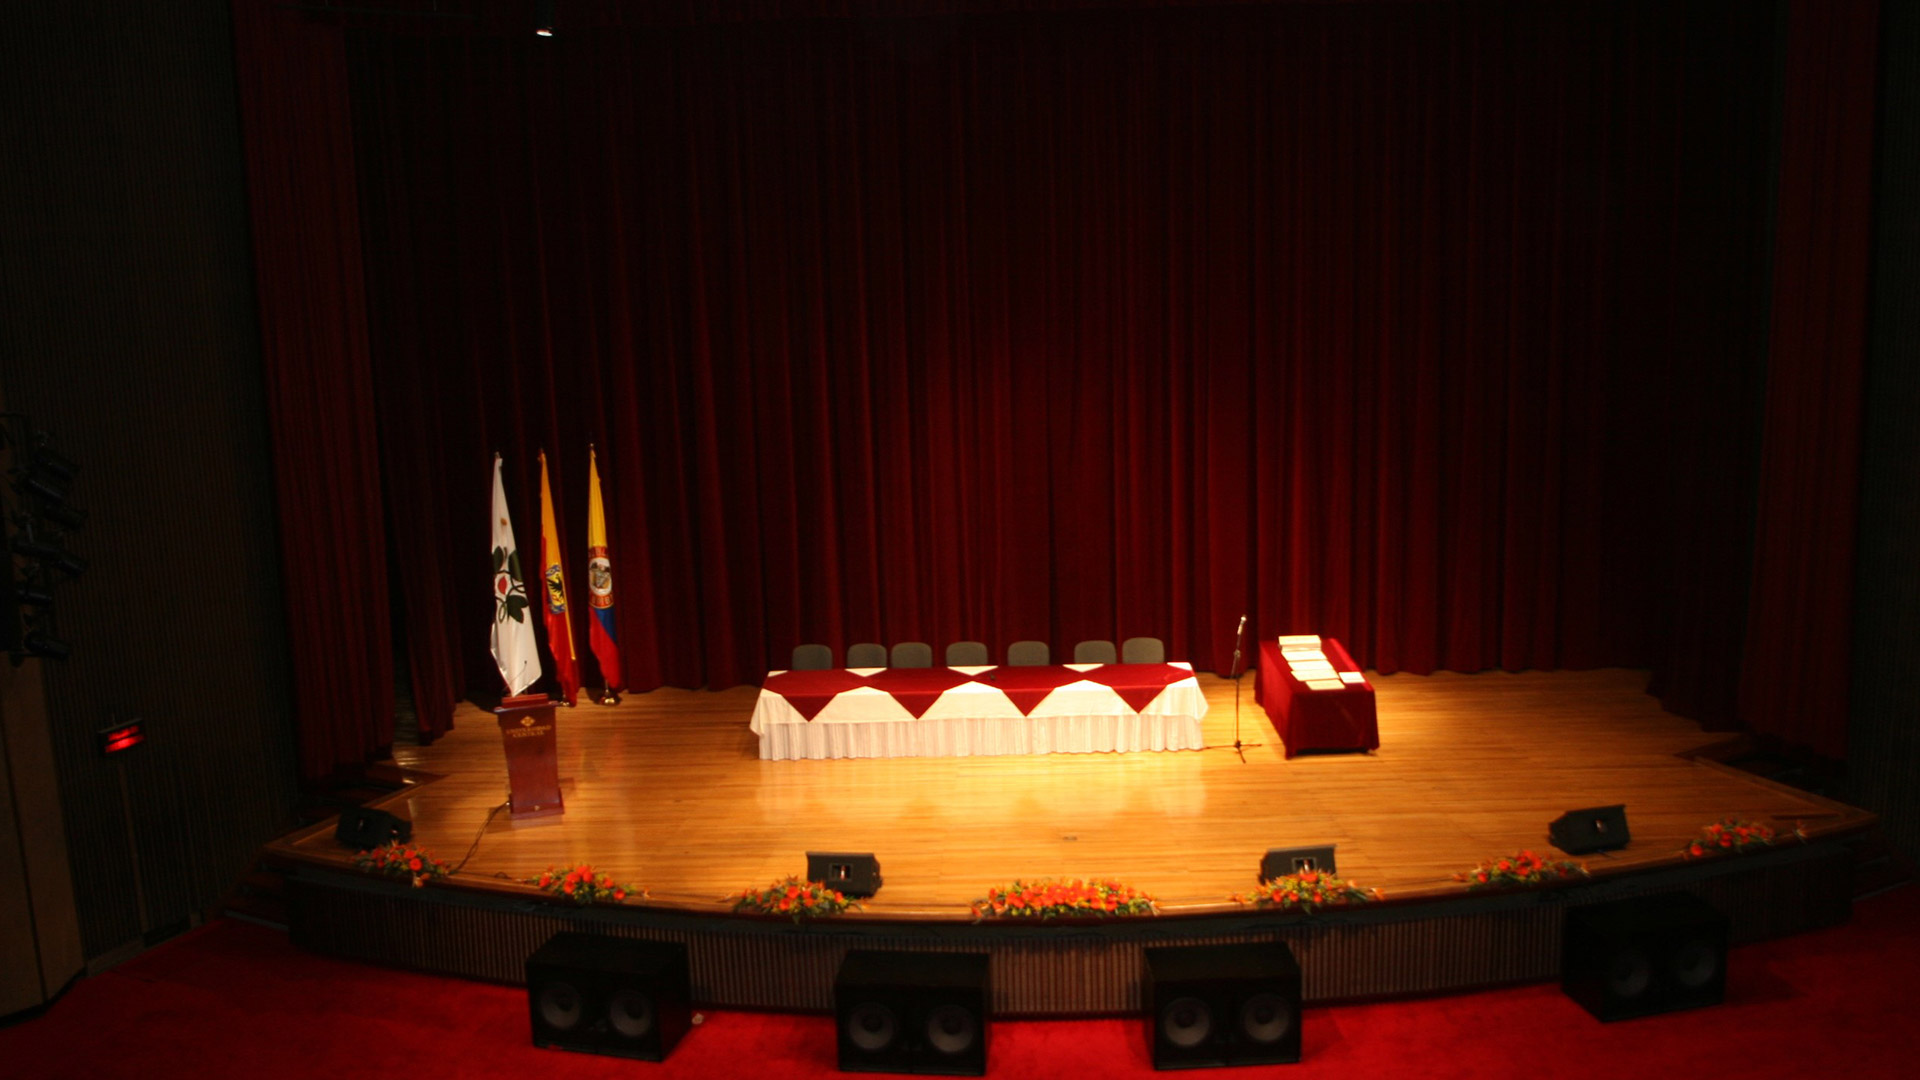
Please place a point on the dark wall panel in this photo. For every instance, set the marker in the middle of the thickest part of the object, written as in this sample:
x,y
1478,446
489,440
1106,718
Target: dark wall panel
x,y
1884,739
130,335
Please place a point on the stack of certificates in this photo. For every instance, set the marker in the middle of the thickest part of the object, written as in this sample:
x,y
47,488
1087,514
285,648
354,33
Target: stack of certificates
x,y
1304,654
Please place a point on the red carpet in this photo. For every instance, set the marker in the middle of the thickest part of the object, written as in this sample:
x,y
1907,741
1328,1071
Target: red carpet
x,y
236,1000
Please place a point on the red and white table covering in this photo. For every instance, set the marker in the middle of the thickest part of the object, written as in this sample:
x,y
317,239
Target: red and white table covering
x,y
976,711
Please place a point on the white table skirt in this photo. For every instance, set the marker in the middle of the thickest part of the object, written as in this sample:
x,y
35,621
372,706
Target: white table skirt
x,y
978,720
981,736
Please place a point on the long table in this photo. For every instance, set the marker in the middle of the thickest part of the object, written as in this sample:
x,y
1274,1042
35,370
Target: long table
x,y
1332,712
968,711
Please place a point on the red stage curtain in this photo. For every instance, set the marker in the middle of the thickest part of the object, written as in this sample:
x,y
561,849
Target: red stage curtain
x,y
319,386
1793,681
1437,329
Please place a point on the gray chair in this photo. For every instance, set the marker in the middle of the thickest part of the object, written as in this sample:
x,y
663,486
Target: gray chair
x,y
967,654
812,658
866,654
1094,652
1028,654
913,654
1143,650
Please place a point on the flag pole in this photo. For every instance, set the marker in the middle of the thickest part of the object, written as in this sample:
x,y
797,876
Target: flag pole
x,y
602,634
606,690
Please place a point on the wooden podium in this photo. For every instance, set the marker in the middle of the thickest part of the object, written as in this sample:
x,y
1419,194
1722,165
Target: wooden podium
x,y
533,765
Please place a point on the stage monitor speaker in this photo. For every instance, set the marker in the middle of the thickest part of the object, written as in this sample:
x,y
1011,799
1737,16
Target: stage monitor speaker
x,y
1224,1005
609,995
1597,828
1279,862
913,1012
1644,955
854,873
361,828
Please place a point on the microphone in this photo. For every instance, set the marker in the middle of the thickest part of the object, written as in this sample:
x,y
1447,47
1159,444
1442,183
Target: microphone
x,y
1242,629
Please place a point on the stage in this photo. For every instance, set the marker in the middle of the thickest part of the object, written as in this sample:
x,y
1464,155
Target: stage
x,y
667,791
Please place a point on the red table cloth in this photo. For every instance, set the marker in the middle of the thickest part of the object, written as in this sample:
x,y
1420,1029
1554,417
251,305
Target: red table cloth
x,y
898,712
1331,714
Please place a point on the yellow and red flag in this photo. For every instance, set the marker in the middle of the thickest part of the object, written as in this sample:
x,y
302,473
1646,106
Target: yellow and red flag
x,y
600,632
559,623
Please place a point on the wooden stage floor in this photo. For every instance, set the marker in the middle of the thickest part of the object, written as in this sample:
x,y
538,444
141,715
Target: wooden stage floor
x,y
666,790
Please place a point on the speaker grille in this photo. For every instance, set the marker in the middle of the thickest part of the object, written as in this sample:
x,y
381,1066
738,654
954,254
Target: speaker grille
x,y
872,1026
1224,1005
1695,963
1186,1022
1630,974
1638,956
912,1012
952,1029
608,995
1266,1018
630,1014
560,1007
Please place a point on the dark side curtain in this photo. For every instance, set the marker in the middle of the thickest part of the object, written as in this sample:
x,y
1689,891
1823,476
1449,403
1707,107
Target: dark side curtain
x,y
1438,328
313,331
1795,655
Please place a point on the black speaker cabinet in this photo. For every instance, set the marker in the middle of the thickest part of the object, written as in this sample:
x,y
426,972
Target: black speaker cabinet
x,y
1224,1005
608,995
913,1012
1644,955
853,873
1280,862
1597,828
361,828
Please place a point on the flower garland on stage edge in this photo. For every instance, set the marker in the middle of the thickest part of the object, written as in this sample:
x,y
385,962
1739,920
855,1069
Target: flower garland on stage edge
x,y
1521,870
397,860
1735,836
797,899
1068,899
584,885
1306,892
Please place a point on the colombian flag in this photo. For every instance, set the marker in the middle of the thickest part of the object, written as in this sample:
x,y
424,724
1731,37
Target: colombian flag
x,y
604,638
559,624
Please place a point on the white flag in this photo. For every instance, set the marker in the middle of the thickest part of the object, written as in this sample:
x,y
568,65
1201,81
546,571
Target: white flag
x,y
513,646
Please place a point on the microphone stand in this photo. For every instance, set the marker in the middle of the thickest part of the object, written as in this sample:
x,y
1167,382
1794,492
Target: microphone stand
x,y
1233,672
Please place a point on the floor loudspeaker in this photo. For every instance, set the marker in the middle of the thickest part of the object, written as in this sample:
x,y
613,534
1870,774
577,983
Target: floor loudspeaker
x,y
1224,1005
608,995
913,1012
1282,862
1597,828
361,828
1644,955
851,873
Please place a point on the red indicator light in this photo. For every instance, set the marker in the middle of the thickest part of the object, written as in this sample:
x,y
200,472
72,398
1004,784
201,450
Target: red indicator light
x,y
122,737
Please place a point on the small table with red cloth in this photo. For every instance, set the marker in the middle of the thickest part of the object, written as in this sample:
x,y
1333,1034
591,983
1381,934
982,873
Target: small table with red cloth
x,y
966,711
1317,714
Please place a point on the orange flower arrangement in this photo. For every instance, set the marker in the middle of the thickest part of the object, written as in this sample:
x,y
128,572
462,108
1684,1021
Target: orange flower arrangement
x,y
794,898
398,860
584,885
1072,898
1733,836
1306,891
1520,869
